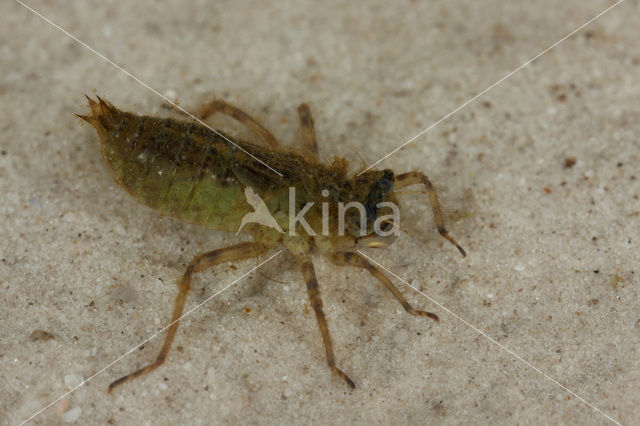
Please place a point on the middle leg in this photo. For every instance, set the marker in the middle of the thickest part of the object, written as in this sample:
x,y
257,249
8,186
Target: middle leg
x,y
316,302
308,129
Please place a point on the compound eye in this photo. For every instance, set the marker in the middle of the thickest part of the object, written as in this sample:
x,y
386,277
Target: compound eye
x,y
384,184
386,181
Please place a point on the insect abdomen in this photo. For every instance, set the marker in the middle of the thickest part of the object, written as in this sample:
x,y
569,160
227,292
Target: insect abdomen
x,y
176,167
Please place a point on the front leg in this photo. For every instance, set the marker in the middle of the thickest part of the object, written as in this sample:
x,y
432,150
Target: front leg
x,y
348,258
413,178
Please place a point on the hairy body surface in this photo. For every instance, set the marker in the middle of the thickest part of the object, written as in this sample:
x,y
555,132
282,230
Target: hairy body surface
x,y
199,175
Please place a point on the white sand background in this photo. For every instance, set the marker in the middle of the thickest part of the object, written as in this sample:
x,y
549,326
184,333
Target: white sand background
x,y
87,273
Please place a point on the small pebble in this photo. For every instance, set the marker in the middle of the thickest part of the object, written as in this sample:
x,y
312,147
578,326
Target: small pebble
x,y
72,415
72,380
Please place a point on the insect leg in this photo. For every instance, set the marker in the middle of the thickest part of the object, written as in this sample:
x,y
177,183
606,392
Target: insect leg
x,y
236,113
308,130
358,261
198,264
413,178
316,302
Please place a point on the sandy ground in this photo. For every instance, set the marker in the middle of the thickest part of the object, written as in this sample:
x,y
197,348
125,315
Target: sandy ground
x,y
540,178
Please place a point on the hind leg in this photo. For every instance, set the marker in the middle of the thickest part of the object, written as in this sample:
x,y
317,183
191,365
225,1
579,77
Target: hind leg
x,y
198,264
222,107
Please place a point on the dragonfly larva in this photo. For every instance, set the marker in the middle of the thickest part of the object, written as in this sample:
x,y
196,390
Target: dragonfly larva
x,y
206,177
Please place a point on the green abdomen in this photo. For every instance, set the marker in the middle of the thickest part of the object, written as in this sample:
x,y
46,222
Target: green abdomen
x,y
179,168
